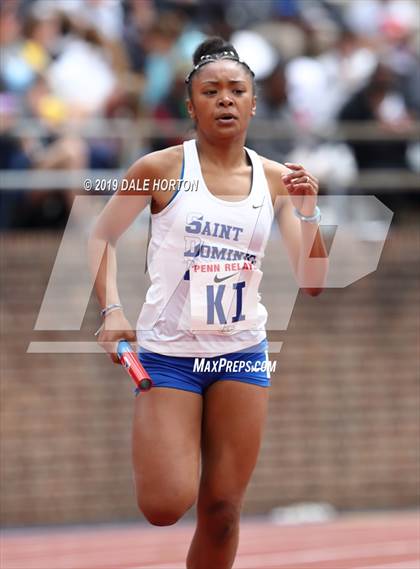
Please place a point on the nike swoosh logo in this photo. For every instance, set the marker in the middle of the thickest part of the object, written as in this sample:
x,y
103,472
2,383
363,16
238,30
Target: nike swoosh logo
x,y
221,279
257,206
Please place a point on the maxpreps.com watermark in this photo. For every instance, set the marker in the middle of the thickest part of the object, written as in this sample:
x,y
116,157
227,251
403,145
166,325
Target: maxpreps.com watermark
x,y
205,365
135,185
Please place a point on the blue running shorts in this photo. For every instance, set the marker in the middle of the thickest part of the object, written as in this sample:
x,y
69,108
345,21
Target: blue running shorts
x,y
196,374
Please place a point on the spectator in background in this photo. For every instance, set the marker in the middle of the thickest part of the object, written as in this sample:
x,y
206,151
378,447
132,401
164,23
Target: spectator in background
x,y
368,17
12,157
172,108
170,40
26,49
105,16
77,84
82,76
56,148
273,105
380,101
392,27
308,89
323,77
103,22
160,42
402,50
41,33
140,18
347,66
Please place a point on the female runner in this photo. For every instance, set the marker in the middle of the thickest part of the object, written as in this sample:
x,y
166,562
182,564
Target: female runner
x,y
197,433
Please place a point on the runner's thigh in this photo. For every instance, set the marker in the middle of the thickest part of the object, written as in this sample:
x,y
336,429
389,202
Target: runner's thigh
x,y
233,421
166,448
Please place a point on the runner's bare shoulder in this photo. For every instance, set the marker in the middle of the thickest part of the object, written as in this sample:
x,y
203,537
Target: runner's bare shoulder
x,y
148,170
273,172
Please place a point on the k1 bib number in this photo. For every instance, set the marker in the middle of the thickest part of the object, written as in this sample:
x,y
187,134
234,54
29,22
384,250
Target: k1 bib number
x,y
224,297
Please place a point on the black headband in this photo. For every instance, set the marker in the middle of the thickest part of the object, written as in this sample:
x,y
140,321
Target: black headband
x,y
204,59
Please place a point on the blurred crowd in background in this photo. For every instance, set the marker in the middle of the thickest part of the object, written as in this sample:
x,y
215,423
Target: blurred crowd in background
x,y
66,64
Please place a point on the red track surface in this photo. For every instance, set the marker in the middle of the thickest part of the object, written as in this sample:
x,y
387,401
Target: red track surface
x,y
386,541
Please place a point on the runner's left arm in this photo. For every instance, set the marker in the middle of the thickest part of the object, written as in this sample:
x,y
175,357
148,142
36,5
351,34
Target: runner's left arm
x,y
294,187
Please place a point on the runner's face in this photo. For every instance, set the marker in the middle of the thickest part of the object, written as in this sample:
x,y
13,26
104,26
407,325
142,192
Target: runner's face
x,y
222,102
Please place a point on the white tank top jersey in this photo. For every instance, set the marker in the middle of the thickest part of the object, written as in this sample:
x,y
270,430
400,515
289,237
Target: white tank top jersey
x,y
204,260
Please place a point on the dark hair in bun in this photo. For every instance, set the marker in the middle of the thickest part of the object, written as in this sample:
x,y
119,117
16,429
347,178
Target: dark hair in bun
x,y
213,46
214,49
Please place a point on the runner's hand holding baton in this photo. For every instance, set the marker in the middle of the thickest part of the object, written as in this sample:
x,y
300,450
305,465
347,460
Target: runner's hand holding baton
x,y
125,355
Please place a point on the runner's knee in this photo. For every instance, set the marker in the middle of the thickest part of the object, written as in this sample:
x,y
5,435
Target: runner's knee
x,y
221,518
162,516
163,511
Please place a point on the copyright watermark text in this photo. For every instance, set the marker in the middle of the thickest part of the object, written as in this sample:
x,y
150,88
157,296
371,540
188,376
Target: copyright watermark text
x,y
146,185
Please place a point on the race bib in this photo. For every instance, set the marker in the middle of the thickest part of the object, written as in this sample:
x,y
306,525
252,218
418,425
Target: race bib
x,y
224,296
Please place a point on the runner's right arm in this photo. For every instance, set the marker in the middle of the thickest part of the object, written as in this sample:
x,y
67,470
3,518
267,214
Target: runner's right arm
x,y
117,216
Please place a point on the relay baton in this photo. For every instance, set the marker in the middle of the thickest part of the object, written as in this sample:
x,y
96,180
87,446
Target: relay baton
x,y
133,367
